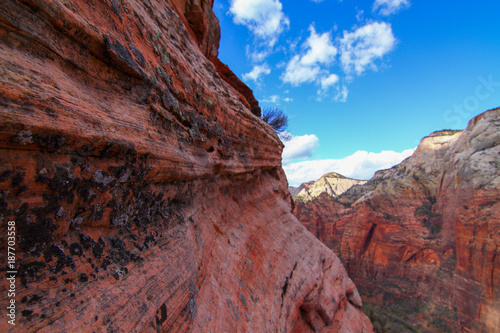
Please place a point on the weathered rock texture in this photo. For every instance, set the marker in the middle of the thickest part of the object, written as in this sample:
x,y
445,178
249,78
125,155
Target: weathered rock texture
x,y
333,184
146,195
421,240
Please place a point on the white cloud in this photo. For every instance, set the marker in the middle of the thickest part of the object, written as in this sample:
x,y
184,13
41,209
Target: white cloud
x,y
274,99
297,73
257,72
389,7
342,94
360,48
311,65
257,55
328,81
264,18
320,49
360,165
359,15
300,147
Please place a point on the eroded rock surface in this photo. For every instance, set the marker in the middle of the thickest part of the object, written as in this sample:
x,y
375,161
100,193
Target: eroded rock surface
x,y
420,240
146,194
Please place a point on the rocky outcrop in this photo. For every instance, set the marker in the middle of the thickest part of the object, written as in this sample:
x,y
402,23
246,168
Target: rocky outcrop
x,y
146,196
201,23
333,184
246,97
421,239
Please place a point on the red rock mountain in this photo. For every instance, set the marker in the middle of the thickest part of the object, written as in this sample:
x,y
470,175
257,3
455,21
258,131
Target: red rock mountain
x,y
147,194
421,240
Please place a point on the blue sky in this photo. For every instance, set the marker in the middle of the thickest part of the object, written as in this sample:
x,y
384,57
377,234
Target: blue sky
x,y
363,81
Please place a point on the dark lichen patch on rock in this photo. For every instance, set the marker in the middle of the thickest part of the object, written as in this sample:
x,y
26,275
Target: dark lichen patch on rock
x,y
17,179
98,248
85,241
26,313
76,249
90,188
105,263
50,143
23,137
33,231
30,271
79,184
5,175
33,300
119,254
150,239
161,314
83,278
62,261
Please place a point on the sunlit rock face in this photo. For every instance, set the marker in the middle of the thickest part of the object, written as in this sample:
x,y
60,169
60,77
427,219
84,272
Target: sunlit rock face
x,y
420,240
333,184
147,195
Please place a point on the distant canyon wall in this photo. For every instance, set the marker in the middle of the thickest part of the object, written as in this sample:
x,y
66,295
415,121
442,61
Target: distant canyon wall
x,y
421,240
332,184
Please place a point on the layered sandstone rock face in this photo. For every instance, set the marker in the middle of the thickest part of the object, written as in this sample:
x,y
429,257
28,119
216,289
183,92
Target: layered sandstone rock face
x,y
333,184
146,194
421,240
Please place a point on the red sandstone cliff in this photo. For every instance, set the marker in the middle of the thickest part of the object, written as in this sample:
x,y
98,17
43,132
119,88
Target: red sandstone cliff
x,y
421,240
147,196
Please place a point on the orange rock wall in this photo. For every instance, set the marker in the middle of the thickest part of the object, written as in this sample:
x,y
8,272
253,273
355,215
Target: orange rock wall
x,y
146,194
